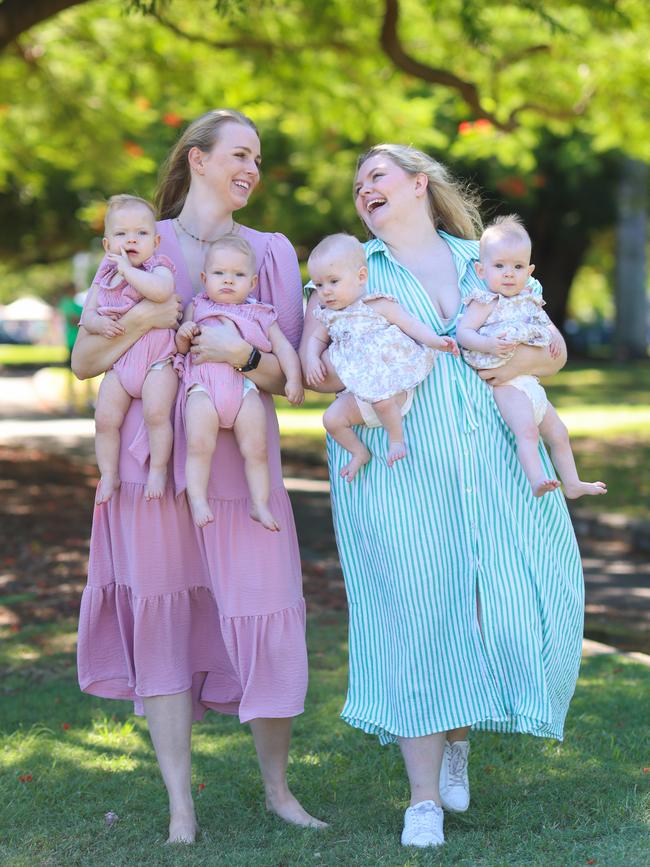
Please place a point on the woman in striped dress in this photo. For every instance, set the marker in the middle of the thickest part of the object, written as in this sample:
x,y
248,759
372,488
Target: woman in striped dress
x,y
465,592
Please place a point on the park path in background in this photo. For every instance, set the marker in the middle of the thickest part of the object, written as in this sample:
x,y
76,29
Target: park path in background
x,y
48,477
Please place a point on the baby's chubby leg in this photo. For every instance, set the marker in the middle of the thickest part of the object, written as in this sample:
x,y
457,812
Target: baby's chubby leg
x,y
517,411
158,393
250,433
338,420
556,436
389,413
113,402
202,429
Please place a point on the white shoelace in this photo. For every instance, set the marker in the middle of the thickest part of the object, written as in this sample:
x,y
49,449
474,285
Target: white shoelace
x,y
457,766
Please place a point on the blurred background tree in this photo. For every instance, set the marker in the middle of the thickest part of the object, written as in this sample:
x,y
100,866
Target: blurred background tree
x,y
539,104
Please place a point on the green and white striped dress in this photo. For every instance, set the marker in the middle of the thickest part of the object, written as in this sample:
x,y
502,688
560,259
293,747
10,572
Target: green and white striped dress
x,y
453,528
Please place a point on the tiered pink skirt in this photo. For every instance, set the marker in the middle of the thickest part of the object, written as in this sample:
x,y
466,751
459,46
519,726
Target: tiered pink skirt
x,y
169,607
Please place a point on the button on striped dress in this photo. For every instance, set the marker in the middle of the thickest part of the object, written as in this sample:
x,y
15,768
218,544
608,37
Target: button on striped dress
x,y
465,592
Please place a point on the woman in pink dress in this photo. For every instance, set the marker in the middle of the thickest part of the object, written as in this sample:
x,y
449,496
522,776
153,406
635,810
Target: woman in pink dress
x,y
176,618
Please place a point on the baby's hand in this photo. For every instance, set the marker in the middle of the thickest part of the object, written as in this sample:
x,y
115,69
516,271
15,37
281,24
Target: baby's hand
x,y
501,347
448,344
315,371
294,392
555,346
121,260
188,330
111,328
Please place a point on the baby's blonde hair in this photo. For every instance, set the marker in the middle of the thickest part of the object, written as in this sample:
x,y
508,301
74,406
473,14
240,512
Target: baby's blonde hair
x,y
122,201
340,246
510,227
233,241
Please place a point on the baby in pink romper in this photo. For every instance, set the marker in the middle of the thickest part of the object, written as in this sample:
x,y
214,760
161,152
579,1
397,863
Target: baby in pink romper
x,y
220,396
130,272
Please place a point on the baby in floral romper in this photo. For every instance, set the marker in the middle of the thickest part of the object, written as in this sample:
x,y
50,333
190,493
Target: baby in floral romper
x,y
378,350
498,318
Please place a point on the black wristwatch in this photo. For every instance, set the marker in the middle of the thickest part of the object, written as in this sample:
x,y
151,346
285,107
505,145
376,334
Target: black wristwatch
x,y
253,361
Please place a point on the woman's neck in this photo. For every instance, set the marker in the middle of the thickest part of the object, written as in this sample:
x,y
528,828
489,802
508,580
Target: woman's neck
x,y
205,218
407,239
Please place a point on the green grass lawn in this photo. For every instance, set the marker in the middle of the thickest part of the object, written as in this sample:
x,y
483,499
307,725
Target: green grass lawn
x,y
605,406
535,802
16,355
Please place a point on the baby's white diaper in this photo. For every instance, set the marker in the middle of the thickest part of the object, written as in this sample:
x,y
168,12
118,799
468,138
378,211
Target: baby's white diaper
x,y
534,392
370,416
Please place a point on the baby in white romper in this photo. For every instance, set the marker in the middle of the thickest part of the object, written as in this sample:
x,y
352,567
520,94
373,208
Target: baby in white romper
x,y
378,350
499,318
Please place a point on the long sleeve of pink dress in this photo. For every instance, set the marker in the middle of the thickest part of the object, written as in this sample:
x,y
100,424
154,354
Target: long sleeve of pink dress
x,y
169,607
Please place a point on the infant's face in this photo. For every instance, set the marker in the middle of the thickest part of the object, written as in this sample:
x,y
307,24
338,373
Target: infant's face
x,y
132,229
228,277
338,284
505,265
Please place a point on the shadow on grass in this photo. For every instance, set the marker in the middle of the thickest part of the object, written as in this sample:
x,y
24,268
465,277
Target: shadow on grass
x,y
534,801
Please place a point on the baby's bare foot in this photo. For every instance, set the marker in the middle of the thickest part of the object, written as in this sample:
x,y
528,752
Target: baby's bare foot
x,y
106,488
261,512
396,452
359,460
543,486
201,512
182,828
156,481
289,809
582,489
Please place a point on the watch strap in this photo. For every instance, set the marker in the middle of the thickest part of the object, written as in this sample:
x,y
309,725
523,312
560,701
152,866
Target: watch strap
x,y
253,361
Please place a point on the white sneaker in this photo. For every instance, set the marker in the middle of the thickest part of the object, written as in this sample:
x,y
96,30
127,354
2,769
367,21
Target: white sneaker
x,y
454,782
423,825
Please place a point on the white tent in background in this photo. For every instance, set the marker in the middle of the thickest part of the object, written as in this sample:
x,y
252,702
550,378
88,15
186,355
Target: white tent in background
x,y
27,309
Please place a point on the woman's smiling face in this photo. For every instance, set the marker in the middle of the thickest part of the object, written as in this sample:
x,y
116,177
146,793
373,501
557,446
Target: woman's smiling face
x,y
232,167
383,191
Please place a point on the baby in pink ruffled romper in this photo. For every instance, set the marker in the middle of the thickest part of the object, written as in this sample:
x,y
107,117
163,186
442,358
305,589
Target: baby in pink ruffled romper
x,y
130,272
218,395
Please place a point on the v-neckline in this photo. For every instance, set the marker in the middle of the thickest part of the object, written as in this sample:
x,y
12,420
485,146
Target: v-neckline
x,y
444,322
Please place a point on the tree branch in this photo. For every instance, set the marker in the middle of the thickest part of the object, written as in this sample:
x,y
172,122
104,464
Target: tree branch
x,y
392,46
16,16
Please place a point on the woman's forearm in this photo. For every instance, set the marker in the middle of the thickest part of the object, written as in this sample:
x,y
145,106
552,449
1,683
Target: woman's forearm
x,y
527,360
268,375
93,354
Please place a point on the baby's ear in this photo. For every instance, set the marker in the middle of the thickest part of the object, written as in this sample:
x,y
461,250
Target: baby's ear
x,y
105,244
363,274
156,241
203,277
531,268
253,281
480,270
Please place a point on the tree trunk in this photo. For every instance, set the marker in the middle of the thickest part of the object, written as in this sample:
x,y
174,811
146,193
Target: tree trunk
x,y
16,16
631,332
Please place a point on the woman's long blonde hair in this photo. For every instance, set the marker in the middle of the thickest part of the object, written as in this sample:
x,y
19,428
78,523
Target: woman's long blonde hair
x,y
453,206
175,174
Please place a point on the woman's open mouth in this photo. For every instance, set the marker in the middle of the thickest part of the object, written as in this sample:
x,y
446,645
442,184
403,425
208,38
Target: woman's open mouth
x,y
374,203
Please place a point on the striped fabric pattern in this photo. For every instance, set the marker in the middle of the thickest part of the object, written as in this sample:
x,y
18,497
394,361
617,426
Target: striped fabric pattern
x,y
450,531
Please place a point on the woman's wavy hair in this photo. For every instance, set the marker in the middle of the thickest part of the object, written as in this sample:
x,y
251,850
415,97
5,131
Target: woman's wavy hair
x,y
453,205
175,175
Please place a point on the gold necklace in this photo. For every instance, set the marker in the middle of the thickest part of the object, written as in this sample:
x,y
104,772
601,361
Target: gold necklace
x,y
233,229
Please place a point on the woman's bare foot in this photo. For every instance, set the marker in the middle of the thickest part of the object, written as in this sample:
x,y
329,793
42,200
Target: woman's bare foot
x,y
289,809
359,459
543,486
261,512
582,489
106,488
156,481
396,452
182,828
201,512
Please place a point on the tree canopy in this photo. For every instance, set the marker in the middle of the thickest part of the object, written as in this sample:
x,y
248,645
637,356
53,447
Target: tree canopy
x,y
509,93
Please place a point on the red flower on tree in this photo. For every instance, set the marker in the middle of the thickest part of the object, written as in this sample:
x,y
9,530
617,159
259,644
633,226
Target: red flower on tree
x,y
133,149
170,118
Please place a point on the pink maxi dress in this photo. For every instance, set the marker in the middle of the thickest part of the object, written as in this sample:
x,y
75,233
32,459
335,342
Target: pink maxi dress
x,y
169,607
